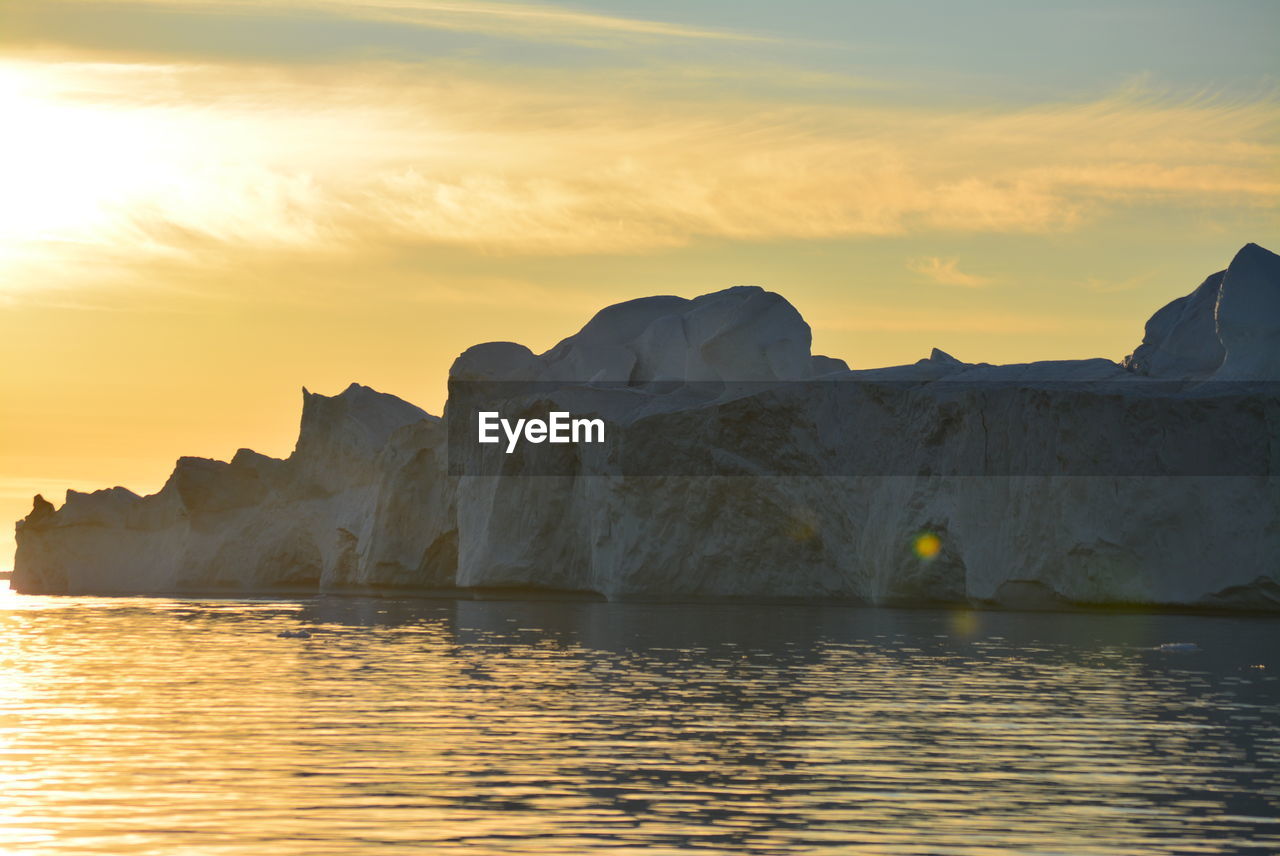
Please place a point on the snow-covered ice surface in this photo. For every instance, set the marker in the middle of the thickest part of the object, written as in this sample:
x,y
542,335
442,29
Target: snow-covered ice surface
x,y
751,468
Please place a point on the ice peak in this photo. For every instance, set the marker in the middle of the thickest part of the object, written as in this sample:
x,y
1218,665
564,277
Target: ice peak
x,y
1247,316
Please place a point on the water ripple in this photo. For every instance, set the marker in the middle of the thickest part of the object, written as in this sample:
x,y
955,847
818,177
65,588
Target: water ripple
x,y
161,726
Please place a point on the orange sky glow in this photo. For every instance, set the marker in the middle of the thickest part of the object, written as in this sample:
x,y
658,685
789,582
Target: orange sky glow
x,y
198,220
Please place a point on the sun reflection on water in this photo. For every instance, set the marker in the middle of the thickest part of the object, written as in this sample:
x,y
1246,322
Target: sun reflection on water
x,y
167,726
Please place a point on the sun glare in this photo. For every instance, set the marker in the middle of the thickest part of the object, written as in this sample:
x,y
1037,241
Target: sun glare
x,y
73,172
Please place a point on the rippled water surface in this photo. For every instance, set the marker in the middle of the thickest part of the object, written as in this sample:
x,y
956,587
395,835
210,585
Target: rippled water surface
x,y
171,726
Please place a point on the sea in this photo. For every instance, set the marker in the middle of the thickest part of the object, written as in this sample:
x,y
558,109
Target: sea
x,y
149,725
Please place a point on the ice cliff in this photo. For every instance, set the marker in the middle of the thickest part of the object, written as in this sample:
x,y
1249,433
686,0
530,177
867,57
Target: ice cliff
x,y
742,465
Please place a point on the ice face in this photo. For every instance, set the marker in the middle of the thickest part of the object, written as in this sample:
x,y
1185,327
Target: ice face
x,y
367,501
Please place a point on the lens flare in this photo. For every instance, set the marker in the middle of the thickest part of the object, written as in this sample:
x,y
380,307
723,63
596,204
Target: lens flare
x,y
927,546
963,622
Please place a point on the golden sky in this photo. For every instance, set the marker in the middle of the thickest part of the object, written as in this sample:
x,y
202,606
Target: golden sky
x,y
207,204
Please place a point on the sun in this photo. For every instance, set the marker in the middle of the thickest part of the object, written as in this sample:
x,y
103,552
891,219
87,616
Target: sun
x,y
73,168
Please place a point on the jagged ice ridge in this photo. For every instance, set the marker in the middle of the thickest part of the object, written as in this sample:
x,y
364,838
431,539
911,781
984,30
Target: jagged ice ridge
x,y
368,502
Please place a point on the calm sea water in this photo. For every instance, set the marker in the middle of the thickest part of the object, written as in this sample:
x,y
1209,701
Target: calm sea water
x,y
168,726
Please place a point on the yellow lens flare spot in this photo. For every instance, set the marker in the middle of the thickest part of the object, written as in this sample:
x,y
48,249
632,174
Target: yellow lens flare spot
x,y
927,546
963,622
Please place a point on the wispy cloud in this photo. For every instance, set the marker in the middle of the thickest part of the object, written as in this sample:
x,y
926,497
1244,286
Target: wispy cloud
x,y
521,19
946,272
123,162
526,21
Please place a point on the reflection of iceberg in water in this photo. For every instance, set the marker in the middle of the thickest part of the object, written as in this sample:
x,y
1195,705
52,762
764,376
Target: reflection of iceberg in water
x,y
1043,485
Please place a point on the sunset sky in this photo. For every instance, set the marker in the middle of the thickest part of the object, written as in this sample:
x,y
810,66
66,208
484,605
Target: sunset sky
x,y
207,204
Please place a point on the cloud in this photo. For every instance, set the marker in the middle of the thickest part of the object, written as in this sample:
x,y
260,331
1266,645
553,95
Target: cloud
x,y
525,21
186,163
946,272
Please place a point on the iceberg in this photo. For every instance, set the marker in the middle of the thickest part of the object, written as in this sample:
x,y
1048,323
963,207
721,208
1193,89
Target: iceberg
x,y
742,465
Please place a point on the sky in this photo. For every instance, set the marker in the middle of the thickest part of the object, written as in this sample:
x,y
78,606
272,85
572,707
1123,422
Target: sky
x,y
206,205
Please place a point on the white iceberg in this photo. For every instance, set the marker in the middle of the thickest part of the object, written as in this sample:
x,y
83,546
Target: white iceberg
x,y
743,466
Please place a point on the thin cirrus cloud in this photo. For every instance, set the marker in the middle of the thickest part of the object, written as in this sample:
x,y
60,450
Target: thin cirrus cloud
x,y
186,160
524,20
514,20
946,272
